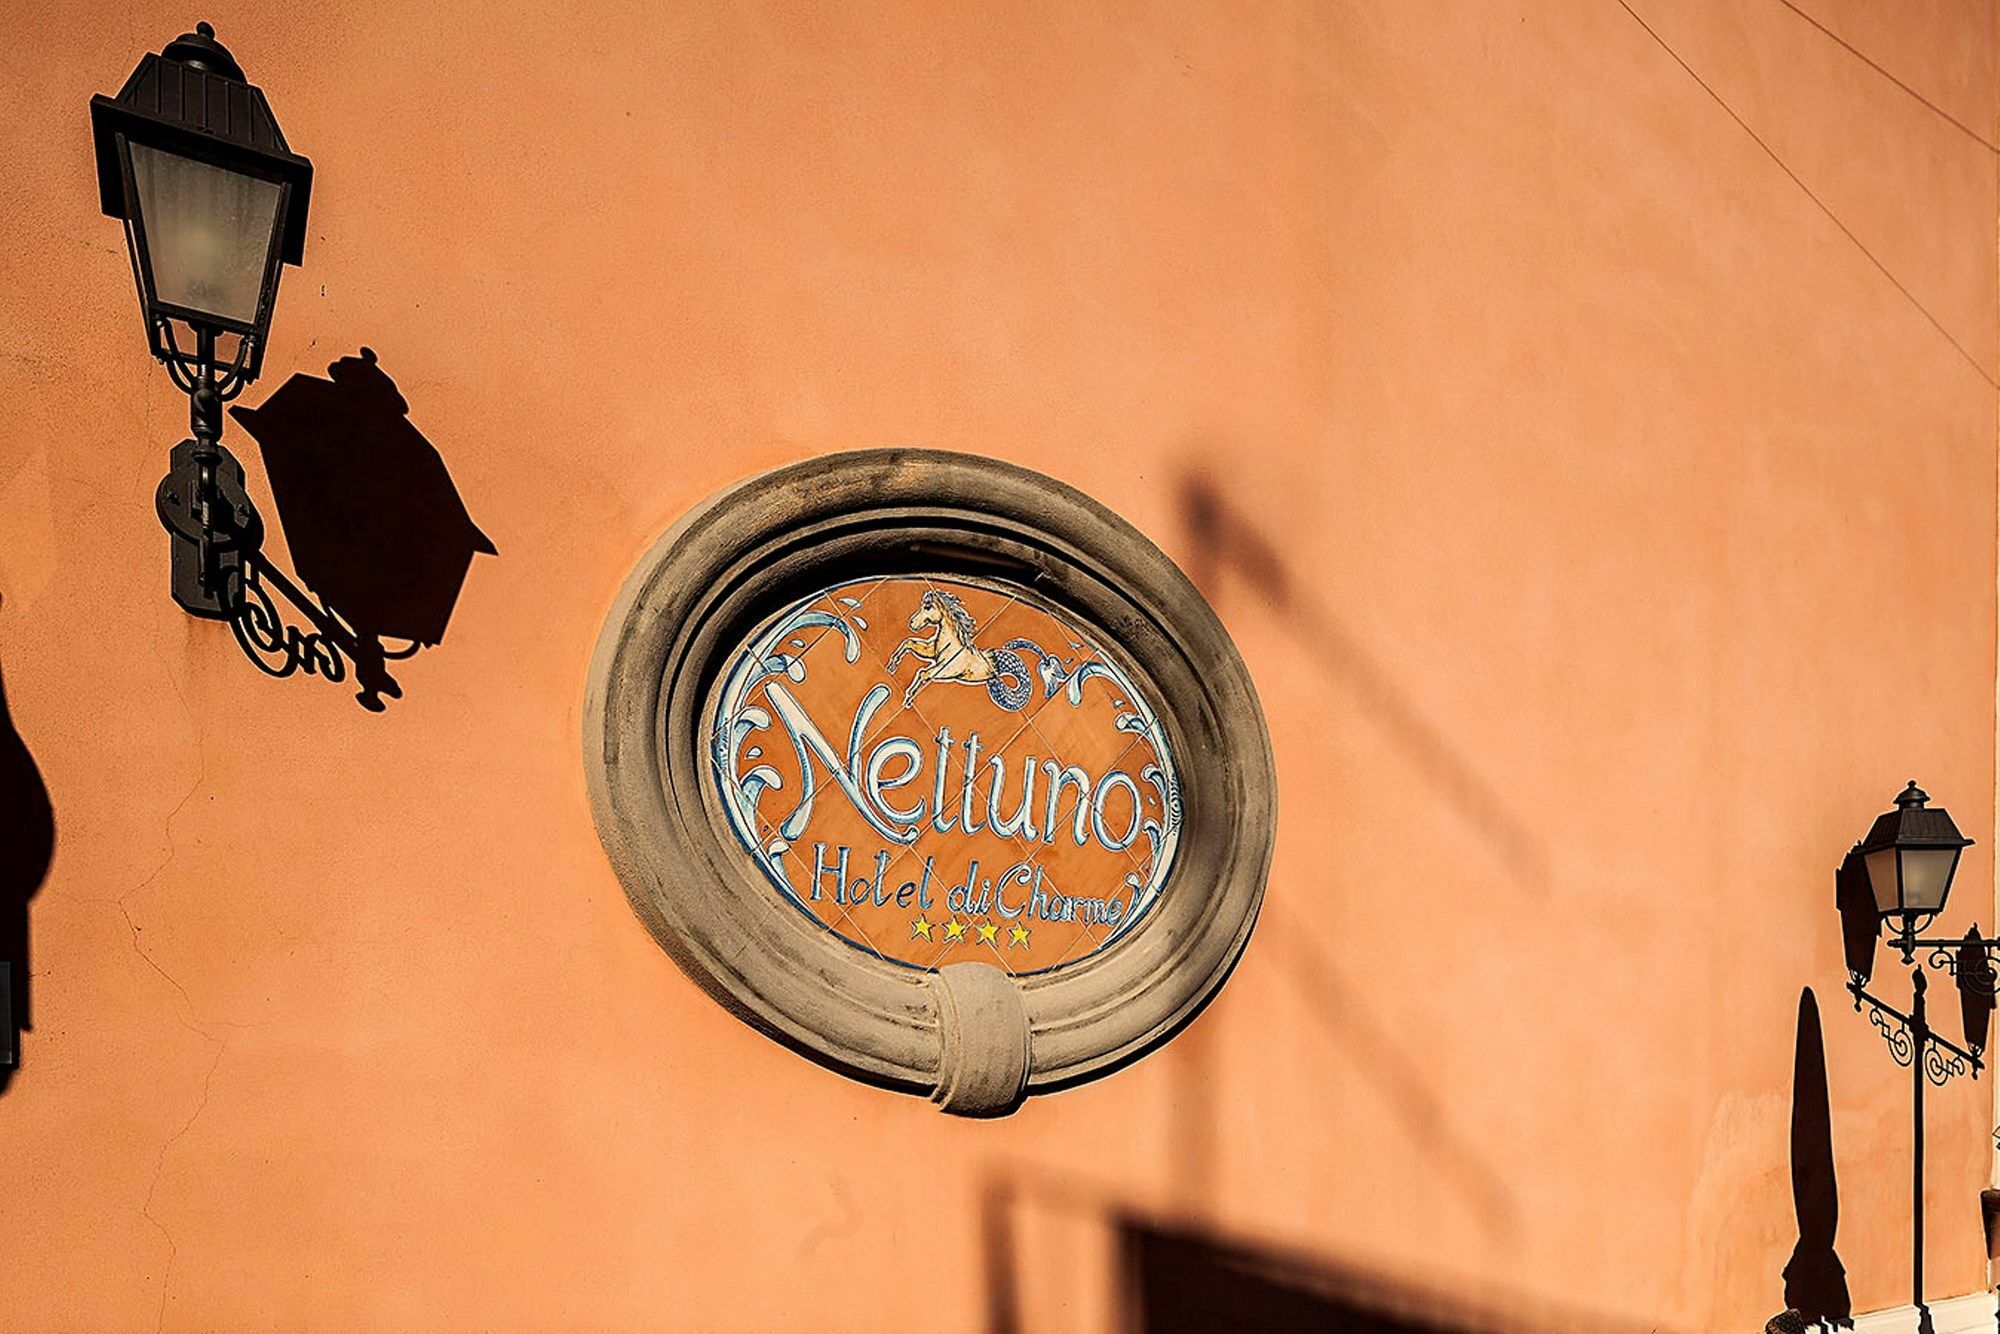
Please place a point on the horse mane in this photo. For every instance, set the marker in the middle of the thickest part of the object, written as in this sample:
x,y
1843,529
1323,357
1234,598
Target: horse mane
x,y
961,619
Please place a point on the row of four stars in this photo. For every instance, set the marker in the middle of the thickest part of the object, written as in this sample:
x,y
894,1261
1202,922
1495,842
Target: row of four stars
x,y
954,931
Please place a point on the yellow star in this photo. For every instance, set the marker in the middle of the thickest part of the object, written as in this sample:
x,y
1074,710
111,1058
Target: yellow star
x,y
1017,936
920,927
986,930
954,930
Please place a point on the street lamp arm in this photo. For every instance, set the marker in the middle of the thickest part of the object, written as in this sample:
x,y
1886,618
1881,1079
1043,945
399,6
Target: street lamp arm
x,y
1977,977
1902,1037
216,526
1951,942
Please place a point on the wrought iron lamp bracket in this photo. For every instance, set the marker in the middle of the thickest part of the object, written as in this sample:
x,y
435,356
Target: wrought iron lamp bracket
x,y
1943,954
192,371
1943,1059
1907,940
220,572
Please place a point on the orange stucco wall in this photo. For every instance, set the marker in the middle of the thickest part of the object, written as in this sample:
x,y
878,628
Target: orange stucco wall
x,y
1608,534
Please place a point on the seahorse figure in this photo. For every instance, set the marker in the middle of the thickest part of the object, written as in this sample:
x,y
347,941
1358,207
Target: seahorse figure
x,y
949,654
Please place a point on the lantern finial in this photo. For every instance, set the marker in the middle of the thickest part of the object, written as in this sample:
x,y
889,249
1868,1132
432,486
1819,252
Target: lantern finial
x,y
200,49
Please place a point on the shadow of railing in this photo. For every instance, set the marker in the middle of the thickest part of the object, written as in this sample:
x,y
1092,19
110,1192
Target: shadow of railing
x,y
1226,545
1400,1077
1063,1254
1223,537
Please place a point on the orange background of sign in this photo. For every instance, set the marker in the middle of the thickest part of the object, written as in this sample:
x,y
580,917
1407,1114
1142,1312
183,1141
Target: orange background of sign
x,y
1608,536
1045,727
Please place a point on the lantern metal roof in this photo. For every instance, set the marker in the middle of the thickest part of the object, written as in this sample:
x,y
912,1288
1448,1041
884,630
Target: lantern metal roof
x,y
192,99
1913,825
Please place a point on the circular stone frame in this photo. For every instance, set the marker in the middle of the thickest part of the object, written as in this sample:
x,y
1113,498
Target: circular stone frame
x,y
972,1037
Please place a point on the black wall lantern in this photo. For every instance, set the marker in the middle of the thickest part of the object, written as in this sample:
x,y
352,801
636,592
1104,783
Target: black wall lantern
x,y
1900,875
214,203
1912,854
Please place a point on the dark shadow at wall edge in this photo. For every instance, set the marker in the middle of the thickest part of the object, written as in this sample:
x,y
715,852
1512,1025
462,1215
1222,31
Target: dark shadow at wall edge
x,y
27,844
375,526
1815,1280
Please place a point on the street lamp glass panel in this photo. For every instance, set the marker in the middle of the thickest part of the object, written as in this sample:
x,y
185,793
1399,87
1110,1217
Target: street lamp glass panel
x,y
208,232
1927,876
1883,880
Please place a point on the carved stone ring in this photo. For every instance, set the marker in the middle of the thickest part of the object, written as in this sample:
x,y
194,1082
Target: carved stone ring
x,y
933,769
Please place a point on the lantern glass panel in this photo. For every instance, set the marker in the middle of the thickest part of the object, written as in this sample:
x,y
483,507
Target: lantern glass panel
x,y
1882,879
208,232
1927,877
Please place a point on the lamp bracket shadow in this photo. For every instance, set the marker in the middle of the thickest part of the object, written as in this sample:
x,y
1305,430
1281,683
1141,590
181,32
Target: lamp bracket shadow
x,y
220,572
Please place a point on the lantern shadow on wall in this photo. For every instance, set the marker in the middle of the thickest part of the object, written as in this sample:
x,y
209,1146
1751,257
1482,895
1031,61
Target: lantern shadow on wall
x,y
375,526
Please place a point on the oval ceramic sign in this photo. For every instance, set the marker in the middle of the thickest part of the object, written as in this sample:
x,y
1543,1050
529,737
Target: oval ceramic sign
x,y
938,770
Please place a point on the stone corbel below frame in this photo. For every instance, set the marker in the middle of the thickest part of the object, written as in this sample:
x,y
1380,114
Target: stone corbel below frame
x,y
970,1036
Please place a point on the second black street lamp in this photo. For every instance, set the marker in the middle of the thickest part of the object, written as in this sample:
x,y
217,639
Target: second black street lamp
x,y
1900,876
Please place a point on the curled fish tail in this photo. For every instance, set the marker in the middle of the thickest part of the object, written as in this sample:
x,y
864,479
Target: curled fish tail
x,y
1050,667
1010,685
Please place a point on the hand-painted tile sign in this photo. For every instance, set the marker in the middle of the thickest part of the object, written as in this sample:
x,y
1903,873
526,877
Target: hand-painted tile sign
x,y
939,771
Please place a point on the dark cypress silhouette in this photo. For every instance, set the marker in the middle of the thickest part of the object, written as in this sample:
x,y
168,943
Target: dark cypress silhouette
x,y
1815,1280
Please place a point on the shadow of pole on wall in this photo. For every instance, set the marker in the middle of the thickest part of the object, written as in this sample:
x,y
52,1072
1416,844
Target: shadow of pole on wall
x,y
1815,1280
376,528
27,844
1225,537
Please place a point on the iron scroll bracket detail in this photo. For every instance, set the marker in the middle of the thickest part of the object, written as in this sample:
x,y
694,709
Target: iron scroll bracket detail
x,y
220,572
1968,968
1909,1041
